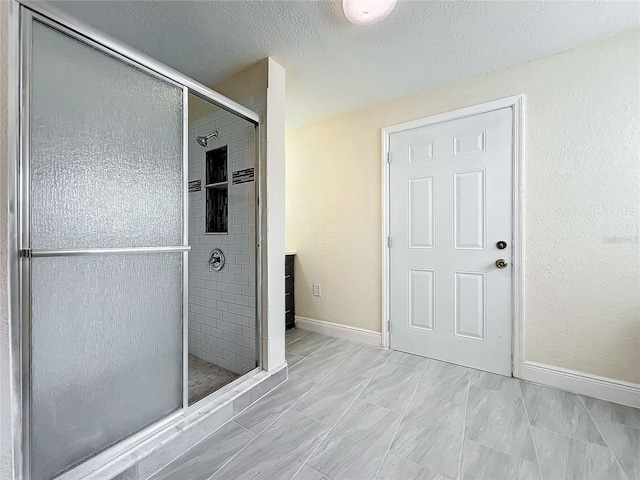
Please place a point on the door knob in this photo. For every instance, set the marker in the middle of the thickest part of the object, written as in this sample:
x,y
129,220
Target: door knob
x,y
501,245
501,263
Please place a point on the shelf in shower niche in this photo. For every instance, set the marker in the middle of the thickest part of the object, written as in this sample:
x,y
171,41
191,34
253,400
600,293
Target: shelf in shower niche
x,y
217,191
218,185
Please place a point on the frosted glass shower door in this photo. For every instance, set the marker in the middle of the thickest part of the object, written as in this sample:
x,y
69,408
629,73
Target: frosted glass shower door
x,y
104,245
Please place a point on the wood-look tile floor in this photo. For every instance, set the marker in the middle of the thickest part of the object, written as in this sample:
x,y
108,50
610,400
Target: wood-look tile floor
x,y
353,412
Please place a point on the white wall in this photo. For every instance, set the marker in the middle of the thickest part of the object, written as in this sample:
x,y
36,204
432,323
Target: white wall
x,y
582,301
222,305
272,135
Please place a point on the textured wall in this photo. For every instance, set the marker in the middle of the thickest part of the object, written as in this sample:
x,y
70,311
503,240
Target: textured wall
x,y
222,305
582,204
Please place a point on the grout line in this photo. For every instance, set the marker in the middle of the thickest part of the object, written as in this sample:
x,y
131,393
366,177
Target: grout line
x,y
328,432
330,371
533,439
265,429
294,341
311,352
415,389
311,468
603,437
464,425
282,414
244,428
234,456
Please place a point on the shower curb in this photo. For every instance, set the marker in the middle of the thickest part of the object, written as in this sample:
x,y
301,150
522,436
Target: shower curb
x,y
148,457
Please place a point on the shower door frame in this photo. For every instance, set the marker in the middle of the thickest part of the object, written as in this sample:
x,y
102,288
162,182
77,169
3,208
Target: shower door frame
x,y
22,14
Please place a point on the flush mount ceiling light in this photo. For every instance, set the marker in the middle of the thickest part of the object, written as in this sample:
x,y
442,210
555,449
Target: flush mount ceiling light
x,y
367,12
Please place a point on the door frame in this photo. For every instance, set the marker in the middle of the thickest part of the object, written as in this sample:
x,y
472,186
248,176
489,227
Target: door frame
x,y
517,104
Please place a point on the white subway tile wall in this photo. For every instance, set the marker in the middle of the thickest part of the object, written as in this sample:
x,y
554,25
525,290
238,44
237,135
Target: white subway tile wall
x,y
222,305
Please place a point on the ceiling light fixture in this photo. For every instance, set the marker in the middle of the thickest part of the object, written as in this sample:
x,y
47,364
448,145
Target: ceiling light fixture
x,y
367,12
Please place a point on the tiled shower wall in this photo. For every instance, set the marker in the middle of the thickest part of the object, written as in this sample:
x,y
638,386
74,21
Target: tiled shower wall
x,y
222,305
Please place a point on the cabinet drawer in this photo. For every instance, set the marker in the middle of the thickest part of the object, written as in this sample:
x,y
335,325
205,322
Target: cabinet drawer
x,y
288,264
289,303
288,284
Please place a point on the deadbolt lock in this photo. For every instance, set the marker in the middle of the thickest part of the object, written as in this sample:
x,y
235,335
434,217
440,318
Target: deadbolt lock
x,y
501,263
501,245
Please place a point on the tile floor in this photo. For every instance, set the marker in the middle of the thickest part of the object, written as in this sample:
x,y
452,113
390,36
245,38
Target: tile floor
x,y
205,378
354,412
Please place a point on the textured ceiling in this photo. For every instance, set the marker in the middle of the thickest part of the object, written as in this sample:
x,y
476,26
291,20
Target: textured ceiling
x,y
334,66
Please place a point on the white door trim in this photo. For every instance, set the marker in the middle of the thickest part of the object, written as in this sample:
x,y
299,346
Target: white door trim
x,y
515,102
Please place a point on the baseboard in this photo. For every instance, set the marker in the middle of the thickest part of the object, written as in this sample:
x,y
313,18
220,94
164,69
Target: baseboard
x,y
603,388
346,332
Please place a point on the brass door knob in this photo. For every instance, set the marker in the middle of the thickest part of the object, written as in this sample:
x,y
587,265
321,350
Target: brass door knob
x,y
501,263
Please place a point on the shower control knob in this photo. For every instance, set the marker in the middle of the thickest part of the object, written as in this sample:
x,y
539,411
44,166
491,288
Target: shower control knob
x,y
216,260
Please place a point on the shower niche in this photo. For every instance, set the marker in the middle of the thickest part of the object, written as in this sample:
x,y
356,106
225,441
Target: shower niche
x,y
217,190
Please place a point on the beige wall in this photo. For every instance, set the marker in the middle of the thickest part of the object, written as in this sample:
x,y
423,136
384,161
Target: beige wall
x,y
582,204
250,81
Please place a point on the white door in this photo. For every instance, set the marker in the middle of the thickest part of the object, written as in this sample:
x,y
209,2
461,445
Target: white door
x,y
450,205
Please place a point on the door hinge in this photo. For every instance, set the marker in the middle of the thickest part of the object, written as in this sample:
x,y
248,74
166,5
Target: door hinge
x,y
389,156
389,241
389,326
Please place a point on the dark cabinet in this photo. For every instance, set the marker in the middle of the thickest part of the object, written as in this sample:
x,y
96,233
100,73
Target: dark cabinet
x,y
289,298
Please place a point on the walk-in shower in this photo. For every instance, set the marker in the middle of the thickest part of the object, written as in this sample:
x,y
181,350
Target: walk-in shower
x,y
117,317
222,263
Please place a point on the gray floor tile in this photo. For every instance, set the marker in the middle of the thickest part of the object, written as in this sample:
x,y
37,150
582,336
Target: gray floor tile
x,y
408,360
308,473
307,344
431,434
398,468
366,361
499,420
560,412
392,387
491,381
356,446
294,334
279,452
292,359
340,345
624,442
322,362
331,398
481,462
445,380
565,458
206,457
264,412
612,412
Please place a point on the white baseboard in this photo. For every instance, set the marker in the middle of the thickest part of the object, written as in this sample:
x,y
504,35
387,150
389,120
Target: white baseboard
x,y
603,388
616,391
346,332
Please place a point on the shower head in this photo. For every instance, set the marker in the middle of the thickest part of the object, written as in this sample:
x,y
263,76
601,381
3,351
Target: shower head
x,y
204,139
